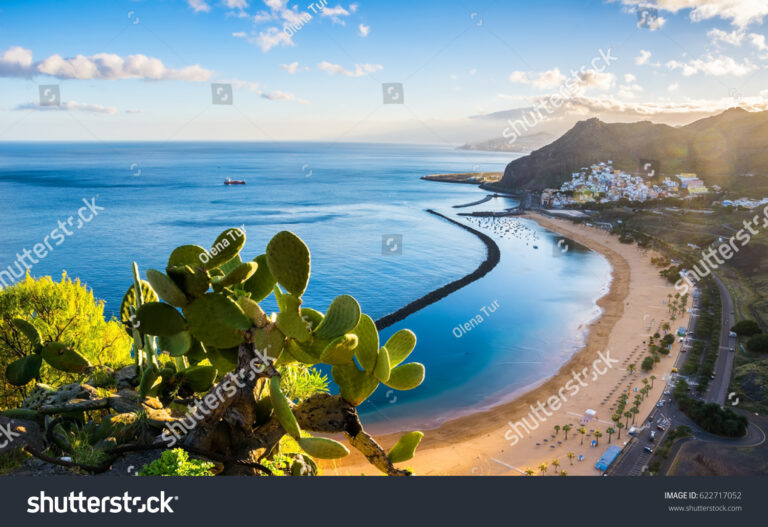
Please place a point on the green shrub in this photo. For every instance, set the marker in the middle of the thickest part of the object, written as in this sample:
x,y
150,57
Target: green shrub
x,y
747,328
758,344
176,462
647,364
63,312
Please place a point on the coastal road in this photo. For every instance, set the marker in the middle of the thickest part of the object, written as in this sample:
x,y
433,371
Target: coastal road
x,y
717,391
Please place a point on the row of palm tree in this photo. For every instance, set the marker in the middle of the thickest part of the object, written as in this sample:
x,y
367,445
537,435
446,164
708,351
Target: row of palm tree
x,y
555,463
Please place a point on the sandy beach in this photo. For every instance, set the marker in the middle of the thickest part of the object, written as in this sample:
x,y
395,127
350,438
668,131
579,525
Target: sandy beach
x,y
487,443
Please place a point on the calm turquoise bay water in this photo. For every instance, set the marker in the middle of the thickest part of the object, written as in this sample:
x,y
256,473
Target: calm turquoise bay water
x,y
343,199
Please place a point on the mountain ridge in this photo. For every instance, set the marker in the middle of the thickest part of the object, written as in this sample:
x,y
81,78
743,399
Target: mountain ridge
x,y
732,143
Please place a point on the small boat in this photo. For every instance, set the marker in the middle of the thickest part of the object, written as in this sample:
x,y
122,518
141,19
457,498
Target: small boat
x,y
234,182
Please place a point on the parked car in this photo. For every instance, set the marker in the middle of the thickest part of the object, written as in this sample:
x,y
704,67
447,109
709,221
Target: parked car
x,y
660,404
661,427
652,437
648,449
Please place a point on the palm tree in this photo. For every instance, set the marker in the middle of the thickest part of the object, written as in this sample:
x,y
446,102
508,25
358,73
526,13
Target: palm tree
x,y
566,429
653,378
598,435
582,431
635,411
610,431
530,471
645,382
563,473
543,468
627,414
619,426
631,368
555,463
666,326
557,430
571,455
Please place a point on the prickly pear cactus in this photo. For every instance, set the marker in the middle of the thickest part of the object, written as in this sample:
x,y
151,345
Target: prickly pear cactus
x,y
205,309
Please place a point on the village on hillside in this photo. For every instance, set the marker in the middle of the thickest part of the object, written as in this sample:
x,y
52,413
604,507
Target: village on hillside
x,y
602,183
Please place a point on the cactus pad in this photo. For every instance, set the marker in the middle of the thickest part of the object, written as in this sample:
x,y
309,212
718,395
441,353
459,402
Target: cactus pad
x,y
283,409
356,386
405,448
253,311
323,448
367,350
227,246
406,377
260,284
269,341
175,345
222,360
29,331
289,262
64,358
148,379
194,281
160,319
199,378
166,288
129,301
192,255
383,367
342,317
400,345
238,275
217,320
340,350
311,317
289,319
23,370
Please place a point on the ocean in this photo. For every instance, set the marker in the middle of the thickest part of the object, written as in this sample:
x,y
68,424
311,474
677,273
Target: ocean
x,y
361,210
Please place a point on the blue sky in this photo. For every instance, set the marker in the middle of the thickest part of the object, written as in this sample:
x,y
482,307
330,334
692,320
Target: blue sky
x,y
143,69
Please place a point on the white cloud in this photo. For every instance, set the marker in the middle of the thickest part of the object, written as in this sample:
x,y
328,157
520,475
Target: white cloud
x,y
519,77
594,79
631,89
282,96
733,38
610,105
549,79
758,41
629,78
293,68
270,38
645,55
17,62
199,6
740,13
672,88
363,30
240,34
360,69
335,14
235,4
255,87
715,66
69,106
